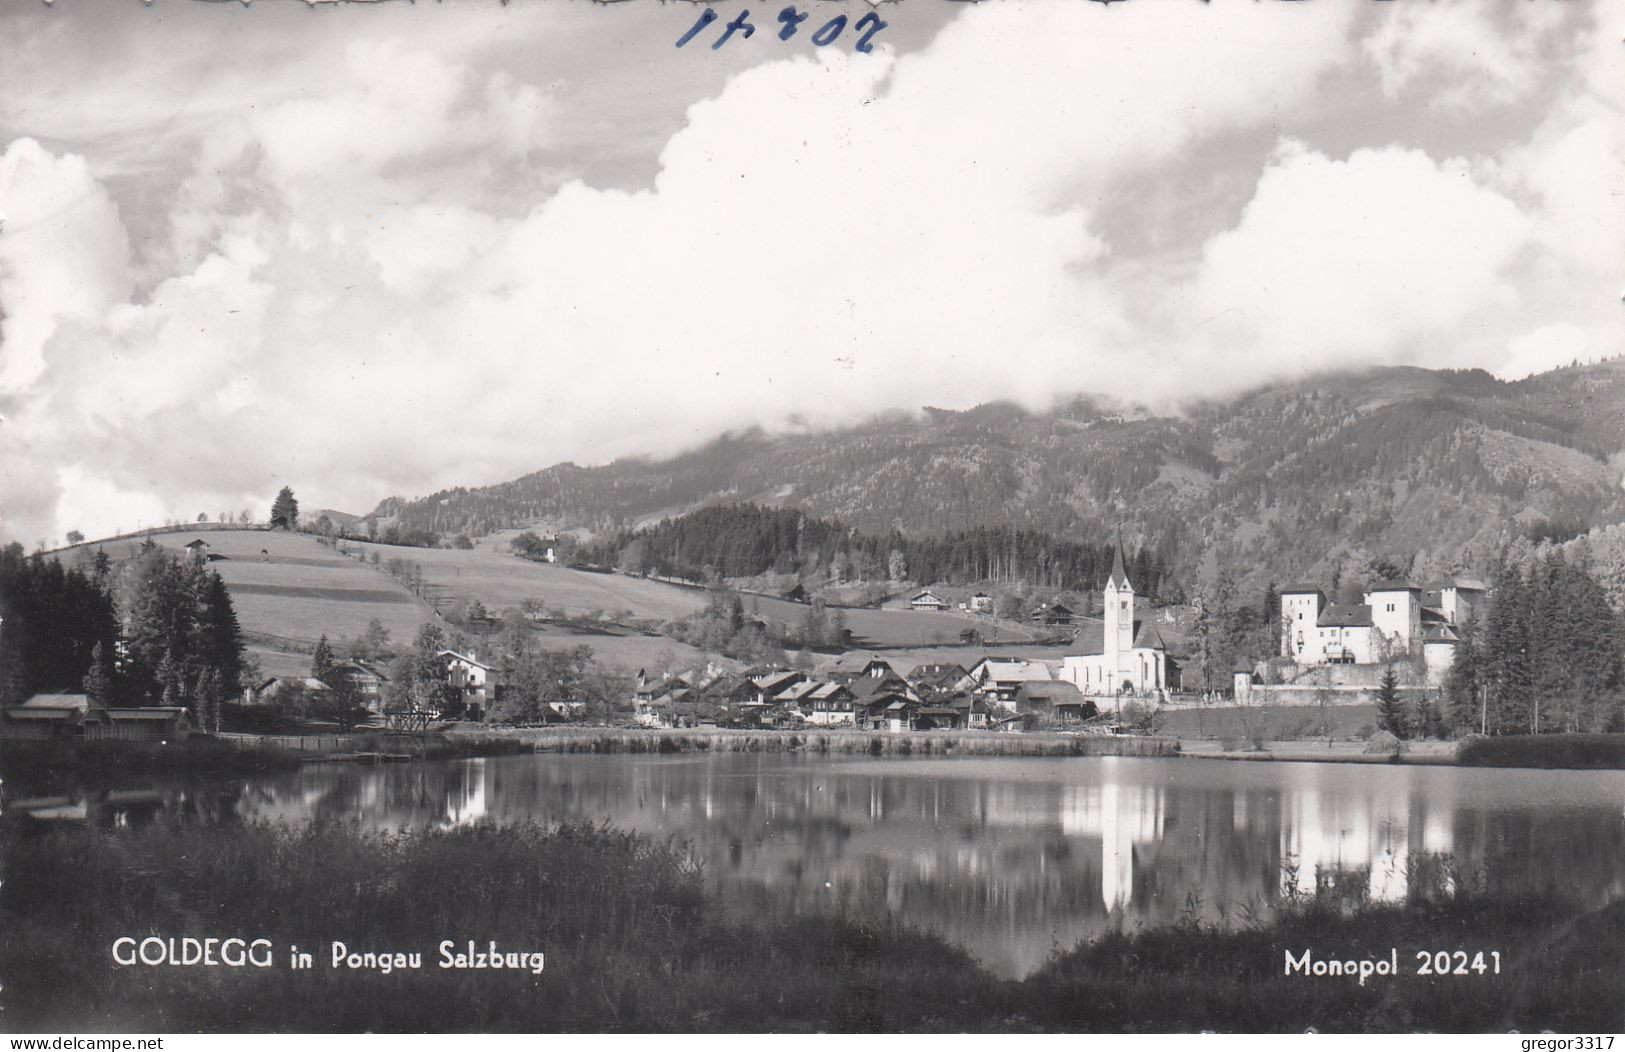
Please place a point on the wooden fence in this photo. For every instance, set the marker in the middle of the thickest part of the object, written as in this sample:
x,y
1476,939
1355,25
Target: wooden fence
x,y
295,742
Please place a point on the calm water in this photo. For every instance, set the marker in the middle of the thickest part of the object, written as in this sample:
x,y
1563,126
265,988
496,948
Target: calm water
x,y
1006,857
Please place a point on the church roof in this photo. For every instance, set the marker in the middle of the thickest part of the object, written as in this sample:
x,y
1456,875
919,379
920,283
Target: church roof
x,y
1119,577
1149,637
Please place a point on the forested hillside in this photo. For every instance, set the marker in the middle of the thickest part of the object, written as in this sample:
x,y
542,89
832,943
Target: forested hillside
x,y
1429,470
746,540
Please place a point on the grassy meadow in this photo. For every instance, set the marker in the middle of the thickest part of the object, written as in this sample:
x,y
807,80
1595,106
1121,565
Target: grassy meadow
x,y
633,941
888,628
499,580
1236,722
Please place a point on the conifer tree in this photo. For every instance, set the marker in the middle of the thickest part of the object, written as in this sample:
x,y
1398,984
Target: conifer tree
x,y
286,508
1390,708
99,679
321,664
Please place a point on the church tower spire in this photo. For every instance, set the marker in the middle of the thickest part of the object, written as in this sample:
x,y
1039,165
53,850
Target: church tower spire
x,y
1118,607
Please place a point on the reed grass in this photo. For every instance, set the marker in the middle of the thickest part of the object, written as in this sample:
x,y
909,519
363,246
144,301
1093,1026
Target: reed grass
x,y
824,742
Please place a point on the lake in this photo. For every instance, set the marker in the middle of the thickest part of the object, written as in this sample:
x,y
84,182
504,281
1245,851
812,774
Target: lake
x,y
1007,857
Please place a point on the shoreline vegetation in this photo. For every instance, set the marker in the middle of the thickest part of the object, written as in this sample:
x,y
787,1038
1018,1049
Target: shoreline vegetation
x,y
819,741
211,757
634,941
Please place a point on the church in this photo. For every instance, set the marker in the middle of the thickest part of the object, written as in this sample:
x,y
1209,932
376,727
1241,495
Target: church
x,y
1132,659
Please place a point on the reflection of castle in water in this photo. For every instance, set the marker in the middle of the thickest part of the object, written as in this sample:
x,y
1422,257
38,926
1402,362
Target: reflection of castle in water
x,y
1010,857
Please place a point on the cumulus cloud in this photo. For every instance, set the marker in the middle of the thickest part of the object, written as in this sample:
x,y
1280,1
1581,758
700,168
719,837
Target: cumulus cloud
x,y
381,280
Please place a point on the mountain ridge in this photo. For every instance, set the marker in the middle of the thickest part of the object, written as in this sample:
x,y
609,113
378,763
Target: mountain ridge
x,y
1297,478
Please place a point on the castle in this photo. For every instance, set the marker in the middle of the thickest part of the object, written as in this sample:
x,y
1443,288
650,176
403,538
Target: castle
x,y
1395,619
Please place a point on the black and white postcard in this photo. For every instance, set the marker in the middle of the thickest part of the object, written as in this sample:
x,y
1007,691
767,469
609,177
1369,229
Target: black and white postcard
x,y
812,516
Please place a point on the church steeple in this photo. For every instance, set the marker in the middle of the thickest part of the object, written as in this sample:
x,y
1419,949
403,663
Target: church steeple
x,y
1119,577
1117,600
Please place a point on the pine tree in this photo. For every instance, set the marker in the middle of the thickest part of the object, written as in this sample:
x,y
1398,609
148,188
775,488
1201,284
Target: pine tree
x,y
99,679
321,664
1509,681
173,691
1464,685
286,508
1390,708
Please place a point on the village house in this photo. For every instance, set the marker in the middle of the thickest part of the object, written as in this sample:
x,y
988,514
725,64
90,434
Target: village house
x,y
272,690
996,679
937,677
829,705
474,680
981,603
927,600
1055,614
366,683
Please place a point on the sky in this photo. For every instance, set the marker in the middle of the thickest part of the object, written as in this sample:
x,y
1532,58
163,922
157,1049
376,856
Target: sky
x,y
381,249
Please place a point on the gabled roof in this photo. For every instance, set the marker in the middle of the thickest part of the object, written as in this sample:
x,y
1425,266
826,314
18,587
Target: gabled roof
x,y
1149,637
467,660
77,702
308,682
1440,634
199,543
1043,693
797,692
1345,615
777,681
162,712
1464,584
870,689
926,595
1007,671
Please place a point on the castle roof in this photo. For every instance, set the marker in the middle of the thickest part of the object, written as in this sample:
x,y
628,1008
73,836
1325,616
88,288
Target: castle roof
x,y
1345,615
1465,584
1302,589
1394,586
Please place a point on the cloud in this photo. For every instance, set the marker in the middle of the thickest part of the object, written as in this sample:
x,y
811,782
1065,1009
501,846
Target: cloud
x,y
1461,54
1386,257
379,278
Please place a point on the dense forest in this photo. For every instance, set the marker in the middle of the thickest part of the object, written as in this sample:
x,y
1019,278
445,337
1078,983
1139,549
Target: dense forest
x,y
157,629
1300,479
1546,659
745,540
